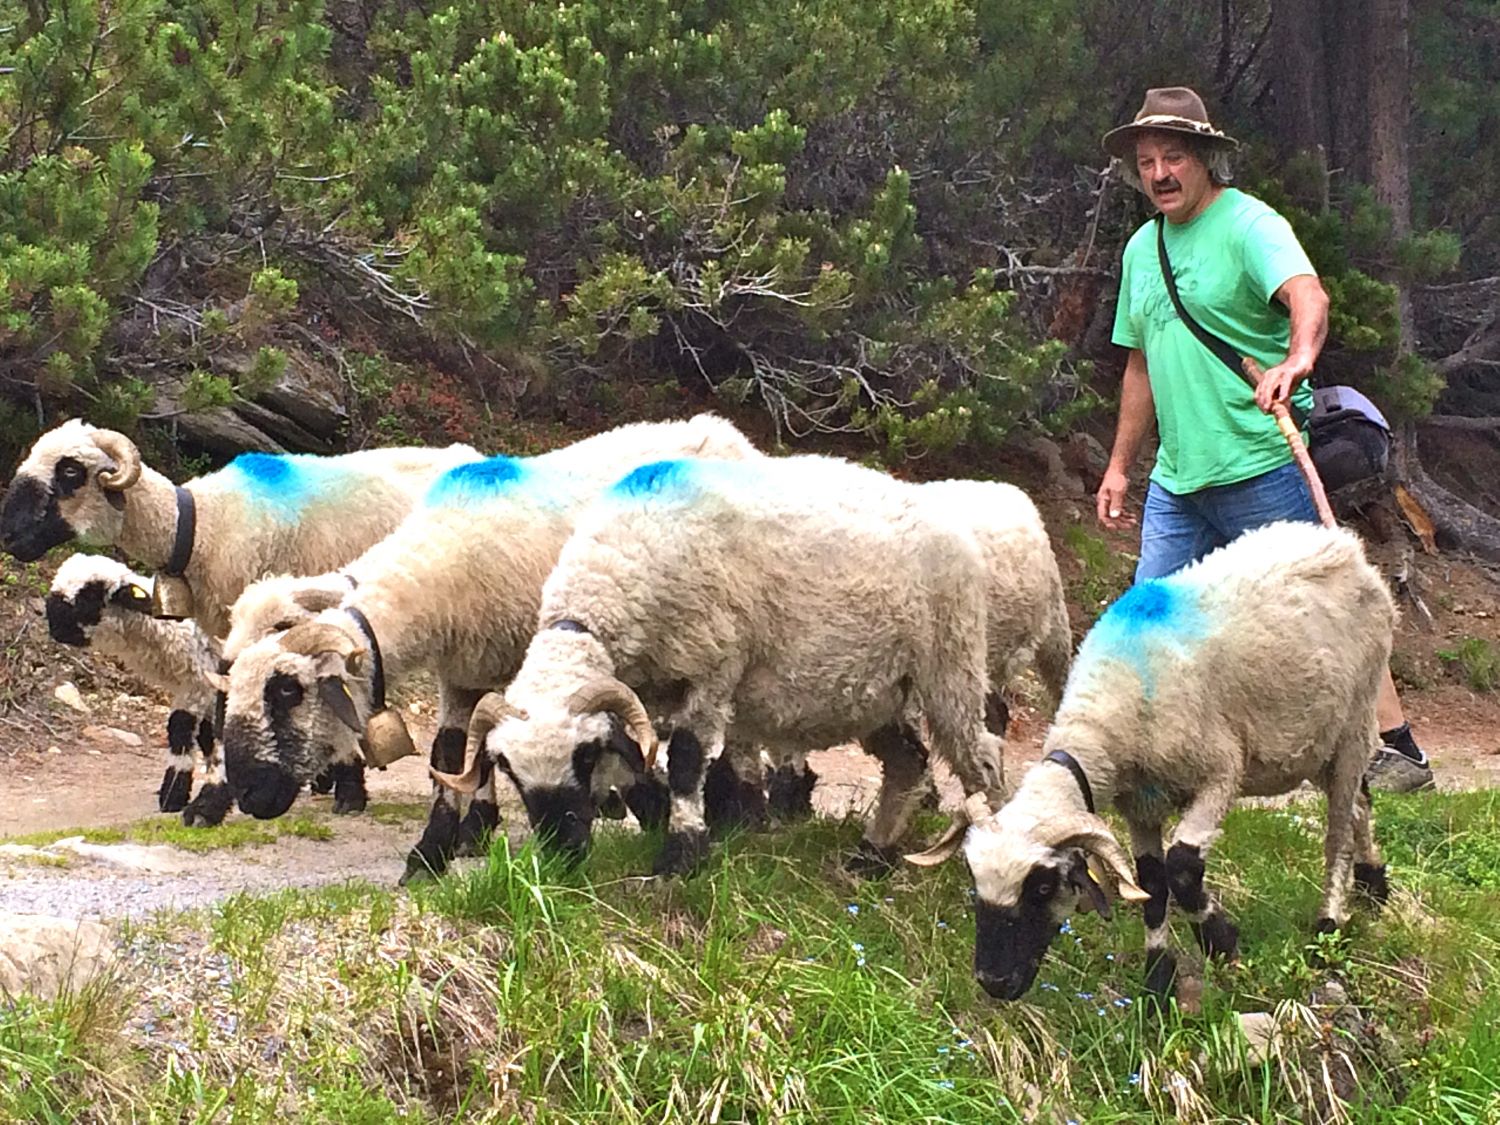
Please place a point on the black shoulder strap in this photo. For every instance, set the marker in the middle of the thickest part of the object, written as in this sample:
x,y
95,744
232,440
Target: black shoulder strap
x,y
1213,343
1226,355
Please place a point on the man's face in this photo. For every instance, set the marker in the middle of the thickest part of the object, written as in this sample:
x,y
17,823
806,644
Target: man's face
x,y
1173,177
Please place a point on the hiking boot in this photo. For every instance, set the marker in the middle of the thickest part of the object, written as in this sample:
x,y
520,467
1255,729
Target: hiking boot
x,y
1394,772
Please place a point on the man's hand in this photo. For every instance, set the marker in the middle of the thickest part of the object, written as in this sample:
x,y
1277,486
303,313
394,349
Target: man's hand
x,y
1111,500
1278,382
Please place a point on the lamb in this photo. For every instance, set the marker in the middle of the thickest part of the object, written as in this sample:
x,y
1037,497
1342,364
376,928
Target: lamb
x,y
262,514
1246,673
787,602
95,601
1027,621
456,588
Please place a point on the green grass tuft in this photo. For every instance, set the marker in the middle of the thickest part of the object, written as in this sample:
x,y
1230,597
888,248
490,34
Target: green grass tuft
x,y
169,829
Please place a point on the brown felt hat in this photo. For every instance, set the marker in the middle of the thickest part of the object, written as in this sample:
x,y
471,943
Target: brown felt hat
x,y
1167,109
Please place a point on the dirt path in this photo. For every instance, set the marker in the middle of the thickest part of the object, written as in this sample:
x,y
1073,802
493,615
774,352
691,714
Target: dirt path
x,y
90,787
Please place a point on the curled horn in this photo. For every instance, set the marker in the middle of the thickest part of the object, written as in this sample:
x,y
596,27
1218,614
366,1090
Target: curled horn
x,y
1087,831
489,713
976,808
312,638
127,458
609,694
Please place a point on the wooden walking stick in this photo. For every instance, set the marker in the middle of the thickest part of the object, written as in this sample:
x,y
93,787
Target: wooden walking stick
x,y
1252,372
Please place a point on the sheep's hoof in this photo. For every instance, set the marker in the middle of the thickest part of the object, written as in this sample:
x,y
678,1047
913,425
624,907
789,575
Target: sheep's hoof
x,y
349,794
1217,936
176,788
789,793
321,785
871,861
474,831
1370,880
1161,976
683,853
209,807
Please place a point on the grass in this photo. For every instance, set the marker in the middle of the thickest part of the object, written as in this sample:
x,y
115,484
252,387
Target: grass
x,y
774,988
169,829
1477,660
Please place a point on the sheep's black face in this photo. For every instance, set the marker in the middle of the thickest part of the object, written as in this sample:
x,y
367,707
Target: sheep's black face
x,y
268,783
69,619
1010,941
562,815
30,522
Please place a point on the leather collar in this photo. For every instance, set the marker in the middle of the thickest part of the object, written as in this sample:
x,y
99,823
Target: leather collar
x,y
1063,758
182,540
377,679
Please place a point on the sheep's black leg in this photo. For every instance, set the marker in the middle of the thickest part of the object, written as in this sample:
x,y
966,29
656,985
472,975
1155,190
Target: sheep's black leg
x,y
1217,935
1161,962
731,801
322,784
349,793
789,790
177,782
903,761
686,846
439,839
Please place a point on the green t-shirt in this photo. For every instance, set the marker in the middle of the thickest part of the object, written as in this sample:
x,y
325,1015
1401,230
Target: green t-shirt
x,y
1229,261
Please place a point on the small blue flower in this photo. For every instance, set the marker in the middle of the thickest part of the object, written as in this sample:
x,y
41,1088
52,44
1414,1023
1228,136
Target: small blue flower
x,y
1066,927
1122,1002
888,898
1103,1011
1048,986
852,908
1135,1078
946,1083
859,964
1109,956
1085,995
966,1044
942,925
857,947
809,959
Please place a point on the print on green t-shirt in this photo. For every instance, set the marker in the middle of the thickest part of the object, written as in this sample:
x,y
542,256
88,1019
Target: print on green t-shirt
x,y
1228,261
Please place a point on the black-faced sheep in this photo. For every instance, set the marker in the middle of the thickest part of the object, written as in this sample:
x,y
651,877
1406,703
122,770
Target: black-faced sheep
x,y
456,589
261,514
800,601
1247,673
98,602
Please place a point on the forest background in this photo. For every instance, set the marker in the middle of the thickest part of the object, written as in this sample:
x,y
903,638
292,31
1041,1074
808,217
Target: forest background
x,y
317,224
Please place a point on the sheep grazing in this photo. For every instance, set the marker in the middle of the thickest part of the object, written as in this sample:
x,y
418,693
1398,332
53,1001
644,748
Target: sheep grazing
x,y
791,602
1026,622
95,601
1246,673
456,588
261,514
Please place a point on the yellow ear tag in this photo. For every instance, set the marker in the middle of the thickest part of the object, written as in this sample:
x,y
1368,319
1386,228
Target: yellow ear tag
x,y
139,595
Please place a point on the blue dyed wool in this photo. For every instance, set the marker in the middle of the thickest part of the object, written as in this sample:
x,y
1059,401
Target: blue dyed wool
x,y
286,484
477,483
659,479
1152,618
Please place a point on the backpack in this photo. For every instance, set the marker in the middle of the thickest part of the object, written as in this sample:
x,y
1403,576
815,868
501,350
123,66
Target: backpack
x,y
1348,437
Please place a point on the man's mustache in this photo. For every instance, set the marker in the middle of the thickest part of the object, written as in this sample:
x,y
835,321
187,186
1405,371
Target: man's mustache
x,y
1165,185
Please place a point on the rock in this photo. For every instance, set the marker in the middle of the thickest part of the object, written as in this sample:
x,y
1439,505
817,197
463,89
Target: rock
x,y
311,396
67,694
223,431
1259,1030
282,428
158,858
1083,454
45,956
114,734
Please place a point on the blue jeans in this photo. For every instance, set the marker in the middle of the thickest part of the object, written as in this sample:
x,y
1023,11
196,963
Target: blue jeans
x,y
1177,530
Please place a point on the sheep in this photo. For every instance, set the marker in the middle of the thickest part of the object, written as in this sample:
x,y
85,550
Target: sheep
x,y
1027,621
261,514
786,602
97,601
1245,673
456,588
